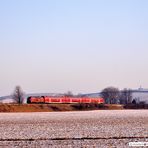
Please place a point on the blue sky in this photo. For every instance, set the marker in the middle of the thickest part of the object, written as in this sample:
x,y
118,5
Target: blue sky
x,y
77,45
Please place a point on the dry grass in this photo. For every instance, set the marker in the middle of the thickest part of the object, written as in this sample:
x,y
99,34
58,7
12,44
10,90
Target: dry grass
x,y
34,107
54,107
113,106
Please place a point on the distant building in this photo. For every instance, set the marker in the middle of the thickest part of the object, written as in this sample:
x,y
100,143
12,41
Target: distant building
x,y
140,96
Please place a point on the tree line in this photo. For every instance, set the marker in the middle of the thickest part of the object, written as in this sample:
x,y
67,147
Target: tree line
x,y
111,95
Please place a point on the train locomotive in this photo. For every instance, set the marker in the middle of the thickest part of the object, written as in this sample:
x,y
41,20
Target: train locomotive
x,y
48,100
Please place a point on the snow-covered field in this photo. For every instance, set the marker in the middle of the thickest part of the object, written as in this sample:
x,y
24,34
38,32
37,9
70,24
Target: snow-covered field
x,y
102,128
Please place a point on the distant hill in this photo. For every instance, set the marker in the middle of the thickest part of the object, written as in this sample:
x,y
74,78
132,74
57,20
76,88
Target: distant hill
x,y
6,99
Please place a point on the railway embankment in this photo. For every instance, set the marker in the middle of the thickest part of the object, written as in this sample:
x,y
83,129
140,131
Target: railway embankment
x,y
65,107
55,107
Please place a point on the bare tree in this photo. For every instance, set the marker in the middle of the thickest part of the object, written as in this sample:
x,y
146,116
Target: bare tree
x,y
68,94
126,96
18,95
110,95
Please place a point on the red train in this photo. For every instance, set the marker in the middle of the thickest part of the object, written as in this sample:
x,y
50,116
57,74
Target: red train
x,y
47,99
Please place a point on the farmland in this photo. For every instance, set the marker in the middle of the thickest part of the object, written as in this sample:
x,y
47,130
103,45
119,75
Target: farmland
x,y
102,128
